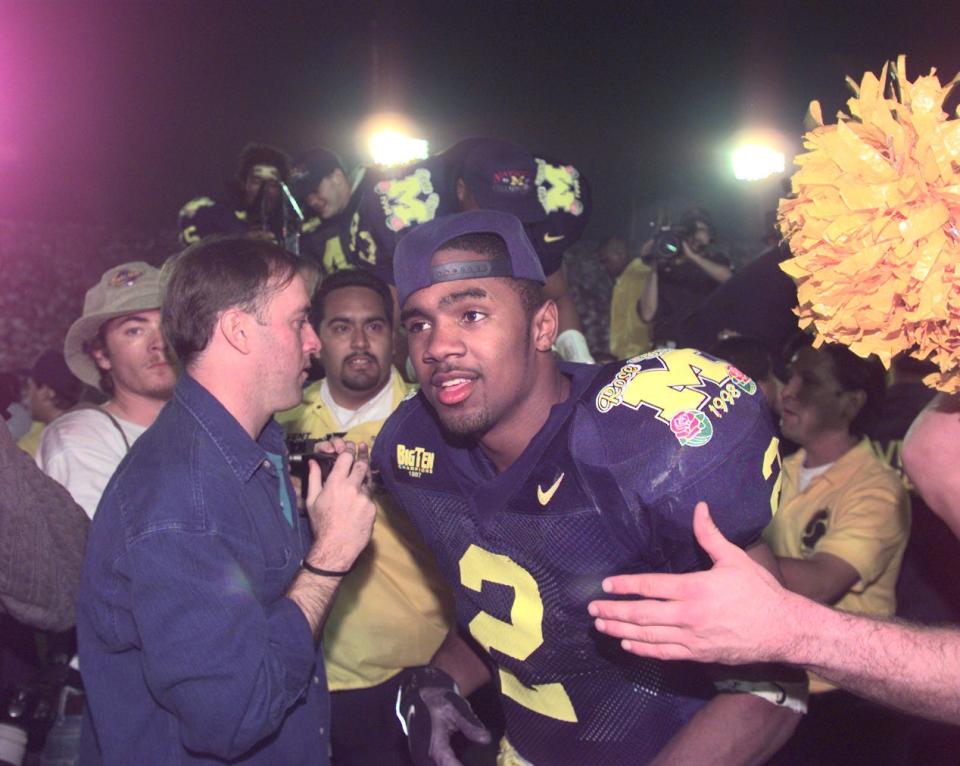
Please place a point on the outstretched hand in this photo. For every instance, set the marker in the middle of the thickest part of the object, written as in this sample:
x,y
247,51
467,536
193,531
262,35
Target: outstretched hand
x,y
734,613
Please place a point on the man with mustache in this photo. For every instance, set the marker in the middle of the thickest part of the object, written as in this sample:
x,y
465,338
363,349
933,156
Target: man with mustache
x,y
393,610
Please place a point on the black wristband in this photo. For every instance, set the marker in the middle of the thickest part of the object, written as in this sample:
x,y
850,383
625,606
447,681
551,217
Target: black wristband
x,y
323,572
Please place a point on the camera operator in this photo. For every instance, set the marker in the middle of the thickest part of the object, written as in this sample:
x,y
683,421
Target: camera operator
x,y
254,203
685,271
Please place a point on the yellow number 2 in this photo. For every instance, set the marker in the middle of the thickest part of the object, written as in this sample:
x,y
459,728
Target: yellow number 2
x,y
520,637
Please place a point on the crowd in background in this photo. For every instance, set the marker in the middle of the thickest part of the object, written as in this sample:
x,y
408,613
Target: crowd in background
x,y
56,265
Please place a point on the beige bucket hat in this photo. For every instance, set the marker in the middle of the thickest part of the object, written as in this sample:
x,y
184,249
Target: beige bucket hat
x,y
124,289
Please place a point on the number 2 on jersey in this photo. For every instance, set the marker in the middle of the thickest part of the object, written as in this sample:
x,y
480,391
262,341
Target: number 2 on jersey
x,y
520,637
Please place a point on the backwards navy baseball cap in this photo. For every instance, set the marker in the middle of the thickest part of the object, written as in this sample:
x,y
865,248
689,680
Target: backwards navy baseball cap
x,y
503,176
309,170
412,267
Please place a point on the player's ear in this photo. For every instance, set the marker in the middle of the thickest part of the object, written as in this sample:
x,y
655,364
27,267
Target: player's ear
x,y
545,325
855,401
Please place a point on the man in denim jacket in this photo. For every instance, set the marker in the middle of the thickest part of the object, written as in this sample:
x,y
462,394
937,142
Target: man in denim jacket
x,y
203,595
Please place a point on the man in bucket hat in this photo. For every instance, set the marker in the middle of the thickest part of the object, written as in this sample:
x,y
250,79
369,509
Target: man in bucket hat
x,y
115,346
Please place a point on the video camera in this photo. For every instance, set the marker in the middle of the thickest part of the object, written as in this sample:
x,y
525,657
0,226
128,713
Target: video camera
x,y
666,245
302,450
668,237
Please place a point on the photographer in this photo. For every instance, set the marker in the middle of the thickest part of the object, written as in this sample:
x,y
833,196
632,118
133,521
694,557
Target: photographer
x,y
254,203
684,273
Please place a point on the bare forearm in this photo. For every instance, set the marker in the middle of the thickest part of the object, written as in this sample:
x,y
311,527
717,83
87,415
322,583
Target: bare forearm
x,y
649,297
910,667
458,659
730,729
314,595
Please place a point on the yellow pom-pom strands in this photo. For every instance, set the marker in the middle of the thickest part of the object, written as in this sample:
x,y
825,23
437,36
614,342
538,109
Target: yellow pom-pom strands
x,y
874,223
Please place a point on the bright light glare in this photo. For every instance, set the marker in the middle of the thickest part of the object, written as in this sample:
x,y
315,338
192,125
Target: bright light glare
x,y
390,147
753,162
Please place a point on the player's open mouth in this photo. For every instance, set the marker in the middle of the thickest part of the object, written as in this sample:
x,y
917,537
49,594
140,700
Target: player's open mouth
x,y
454,390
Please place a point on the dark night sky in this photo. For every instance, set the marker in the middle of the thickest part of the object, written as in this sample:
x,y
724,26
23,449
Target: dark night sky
x,y
122,111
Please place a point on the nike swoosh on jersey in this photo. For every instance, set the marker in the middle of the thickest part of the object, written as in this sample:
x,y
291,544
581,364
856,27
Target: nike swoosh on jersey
x,y
553,237
544,497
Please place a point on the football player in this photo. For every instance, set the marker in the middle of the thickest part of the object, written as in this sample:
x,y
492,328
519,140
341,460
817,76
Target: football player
x,y
532,480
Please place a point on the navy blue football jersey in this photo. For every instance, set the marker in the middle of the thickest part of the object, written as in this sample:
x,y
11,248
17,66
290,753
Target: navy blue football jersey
x,y
607,486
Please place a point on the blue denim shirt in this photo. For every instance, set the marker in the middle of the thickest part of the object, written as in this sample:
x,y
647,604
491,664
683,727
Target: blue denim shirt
x,y
189,650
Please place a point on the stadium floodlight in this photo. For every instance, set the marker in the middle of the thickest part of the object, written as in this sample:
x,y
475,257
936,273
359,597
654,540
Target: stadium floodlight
x,y
391,138
391,147
754,162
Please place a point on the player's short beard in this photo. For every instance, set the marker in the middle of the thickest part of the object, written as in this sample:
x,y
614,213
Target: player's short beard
x,y
471,426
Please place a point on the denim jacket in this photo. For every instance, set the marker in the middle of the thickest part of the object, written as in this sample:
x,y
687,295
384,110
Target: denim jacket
x,y
189,650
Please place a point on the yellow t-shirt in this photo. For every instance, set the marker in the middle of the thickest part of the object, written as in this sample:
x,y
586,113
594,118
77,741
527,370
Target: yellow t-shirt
x,y
857,511
30,441
393,610
629,334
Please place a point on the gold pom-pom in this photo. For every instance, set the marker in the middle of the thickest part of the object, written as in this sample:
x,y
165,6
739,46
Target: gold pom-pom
x,y
874,224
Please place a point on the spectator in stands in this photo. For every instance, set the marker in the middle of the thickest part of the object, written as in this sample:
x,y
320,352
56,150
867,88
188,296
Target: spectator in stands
x,y
682,277
843,519
252,203
51,390
629,334
116,346
16,417
393,610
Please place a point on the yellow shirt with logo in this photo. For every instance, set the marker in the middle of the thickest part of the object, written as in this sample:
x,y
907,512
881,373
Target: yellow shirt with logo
x,y
629,334
857,511
393,610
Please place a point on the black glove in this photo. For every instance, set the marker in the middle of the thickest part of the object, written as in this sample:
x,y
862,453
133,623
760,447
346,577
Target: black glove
x,y
431,711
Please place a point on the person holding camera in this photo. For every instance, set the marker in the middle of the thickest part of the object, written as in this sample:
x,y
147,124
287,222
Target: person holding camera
x,y
255,203
685,271
204,594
